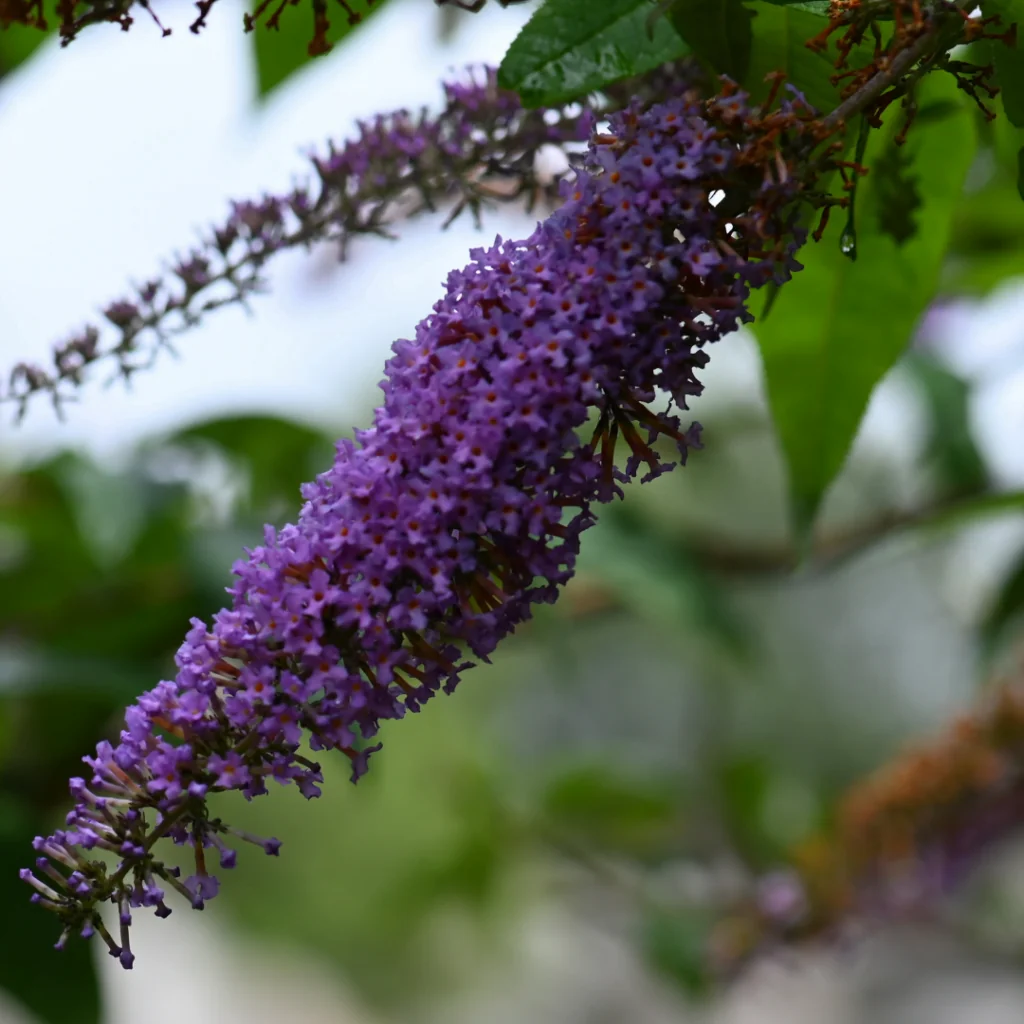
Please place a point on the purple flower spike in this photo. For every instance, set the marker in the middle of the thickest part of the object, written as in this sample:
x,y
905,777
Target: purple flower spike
x,y
439,528
480,150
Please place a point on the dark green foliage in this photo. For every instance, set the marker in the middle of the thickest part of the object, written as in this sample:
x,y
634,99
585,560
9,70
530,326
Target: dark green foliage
x,y
951,452
280,53
1009,60
278,455
57,987
17,44
819,8
1006,611
572,47
839,326
675,945
719,32
780,37
100,571
899,198
601,808
99,575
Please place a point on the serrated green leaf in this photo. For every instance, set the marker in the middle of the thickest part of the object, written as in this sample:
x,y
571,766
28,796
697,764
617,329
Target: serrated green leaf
x,y
839,326
1009,60
719,32
280,53
573,47
780,38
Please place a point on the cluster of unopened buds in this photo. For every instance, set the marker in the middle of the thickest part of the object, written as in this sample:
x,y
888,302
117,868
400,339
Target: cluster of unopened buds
x,y
438,529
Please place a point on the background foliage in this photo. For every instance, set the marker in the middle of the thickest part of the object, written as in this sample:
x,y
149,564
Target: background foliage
x,y
693,703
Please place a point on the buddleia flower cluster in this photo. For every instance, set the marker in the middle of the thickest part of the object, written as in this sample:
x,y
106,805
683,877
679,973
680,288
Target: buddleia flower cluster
x,y
439,528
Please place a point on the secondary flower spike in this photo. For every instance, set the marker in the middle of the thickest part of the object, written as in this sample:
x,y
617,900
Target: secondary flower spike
x,y
436,530
479,150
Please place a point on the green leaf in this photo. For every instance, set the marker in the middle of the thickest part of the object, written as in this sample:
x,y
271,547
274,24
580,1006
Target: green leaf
x,y
717,31
816,7
278,455
660,580
595,806
17,44
951,449
280,53
676,946
839,326
899,198
988,231
1007,611
573,47
57,987
1009,60
766,809
780,38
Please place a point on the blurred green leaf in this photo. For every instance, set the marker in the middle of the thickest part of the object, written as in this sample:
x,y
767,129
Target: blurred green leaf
x,y
816,7
470,870
278,455
59,593
767,810
355,879
899,196
17,44
951,447
1007,610
959,513
991,219
718,32
1009,60
57,987
6,729
780,37
840,325
659,580
987,246
676,946
573,47
980,275
600,808
280,53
